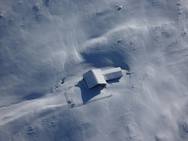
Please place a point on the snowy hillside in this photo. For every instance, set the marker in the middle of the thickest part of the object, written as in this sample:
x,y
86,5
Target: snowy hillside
x,y
47,45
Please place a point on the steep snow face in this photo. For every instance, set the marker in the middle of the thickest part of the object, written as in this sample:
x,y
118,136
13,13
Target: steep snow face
x,y
46,46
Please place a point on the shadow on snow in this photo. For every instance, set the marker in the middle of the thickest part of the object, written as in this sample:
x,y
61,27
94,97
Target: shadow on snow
x,y
86,93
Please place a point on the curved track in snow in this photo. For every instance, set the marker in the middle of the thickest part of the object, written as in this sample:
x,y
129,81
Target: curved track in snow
x,y
46,46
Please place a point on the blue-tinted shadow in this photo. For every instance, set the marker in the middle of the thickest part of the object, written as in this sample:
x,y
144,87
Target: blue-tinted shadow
x,y
114,80
33,95
86,93
106,58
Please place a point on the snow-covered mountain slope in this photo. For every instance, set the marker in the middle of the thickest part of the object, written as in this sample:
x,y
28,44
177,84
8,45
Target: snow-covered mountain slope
x,y
46,46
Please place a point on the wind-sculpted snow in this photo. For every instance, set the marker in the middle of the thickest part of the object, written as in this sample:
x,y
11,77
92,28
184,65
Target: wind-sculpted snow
x,y
47,45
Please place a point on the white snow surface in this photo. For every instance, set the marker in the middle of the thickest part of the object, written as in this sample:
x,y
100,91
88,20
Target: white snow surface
x,y
47,45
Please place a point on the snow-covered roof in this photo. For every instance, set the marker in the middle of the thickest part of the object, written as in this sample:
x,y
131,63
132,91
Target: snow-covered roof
x,y
112,73
94,77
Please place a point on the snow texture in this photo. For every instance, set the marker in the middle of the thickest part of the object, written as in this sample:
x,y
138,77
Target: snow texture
x,y
47,45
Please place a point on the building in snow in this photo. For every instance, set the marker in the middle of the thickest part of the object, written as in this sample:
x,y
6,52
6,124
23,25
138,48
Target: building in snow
x,y
96,77
112,73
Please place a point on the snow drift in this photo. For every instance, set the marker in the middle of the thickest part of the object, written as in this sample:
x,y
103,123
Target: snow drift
x,y
46,46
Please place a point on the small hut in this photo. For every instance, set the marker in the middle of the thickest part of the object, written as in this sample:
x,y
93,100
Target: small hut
x,y
94,77
112,73
97,77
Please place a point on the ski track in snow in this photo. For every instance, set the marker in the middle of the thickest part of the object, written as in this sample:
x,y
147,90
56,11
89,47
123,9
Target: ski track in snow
x,y
46,46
